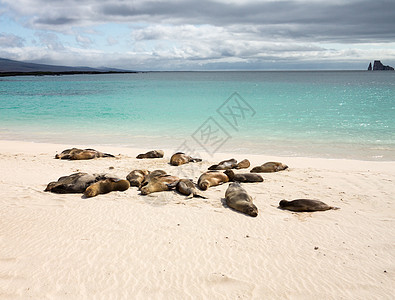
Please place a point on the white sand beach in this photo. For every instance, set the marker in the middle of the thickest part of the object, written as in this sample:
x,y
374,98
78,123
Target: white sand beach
x,y
123,245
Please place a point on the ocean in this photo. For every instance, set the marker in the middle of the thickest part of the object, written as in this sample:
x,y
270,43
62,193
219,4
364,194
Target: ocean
x,y
329,114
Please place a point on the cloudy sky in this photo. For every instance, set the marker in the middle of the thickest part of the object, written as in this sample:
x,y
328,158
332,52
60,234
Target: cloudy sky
x,y
199,34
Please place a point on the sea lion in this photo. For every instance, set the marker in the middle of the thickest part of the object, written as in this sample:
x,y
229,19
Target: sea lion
x,y
187,188
244,164
224,165
136,177
151,175
245,177
231,164
158,184
181,158
74,183
307,205
80,154
238,199
151,154
269,167
211,178
106,186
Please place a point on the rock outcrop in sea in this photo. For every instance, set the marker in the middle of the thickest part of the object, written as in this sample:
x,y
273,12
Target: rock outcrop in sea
x,y
378,66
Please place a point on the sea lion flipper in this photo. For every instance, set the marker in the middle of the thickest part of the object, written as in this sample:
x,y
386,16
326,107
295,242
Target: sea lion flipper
x,y
199,196
108,155
172,185
213,167
196,159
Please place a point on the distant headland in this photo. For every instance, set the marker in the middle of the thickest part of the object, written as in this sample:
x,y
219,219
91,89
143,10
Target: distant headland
x,y
10,67
378,66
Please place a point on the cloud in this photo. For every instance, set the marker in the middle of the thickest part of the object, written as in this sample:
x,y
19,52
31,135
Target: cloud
x,y
11,41
111,41
50,40
190,34
358,20
84,41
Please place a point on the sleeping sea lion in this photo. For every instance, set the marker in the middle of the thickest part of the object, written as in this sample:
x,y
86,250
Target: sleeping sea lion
x,y
74,183
269,167
151,175
151,154
224,165
244,164
245,177
80,154
106,186
187,188
136,177
238,199
231,164
211,178
301,205
158,184
181,158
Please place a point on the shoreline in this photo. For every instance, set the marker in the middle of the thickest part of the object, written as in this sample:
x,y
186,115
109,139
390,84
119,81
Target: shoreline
x,y
164,246
34,148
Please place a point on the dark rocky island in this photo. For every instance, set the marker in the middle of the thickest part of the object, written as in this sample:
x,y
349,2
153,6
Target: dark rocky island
x,y
378,66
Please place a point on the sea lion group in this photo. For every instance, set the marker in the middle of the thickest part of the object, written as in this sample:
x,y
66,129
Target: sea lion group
x,y
148,182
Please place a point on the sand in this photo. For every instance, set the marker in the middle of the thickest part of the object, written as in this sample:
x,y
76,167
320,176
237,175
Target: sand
x,y
126,246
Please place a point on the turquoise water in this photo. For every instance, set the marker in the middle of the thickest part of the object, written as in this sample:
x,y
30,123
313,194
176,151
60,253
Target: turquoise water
x,y
322,114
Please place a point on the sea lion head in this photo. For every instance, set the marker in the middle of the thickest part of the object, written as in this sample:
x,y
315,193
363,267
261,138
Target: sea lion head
x,y
204,185
145,190
283,203
251,210
121,185
230,174
244,164
256,169
135,182
92,190
281,167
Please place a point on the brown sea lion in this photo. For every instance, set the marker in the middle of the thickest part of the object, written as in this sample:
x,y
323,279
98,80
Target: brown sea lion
x,y
81,154
244,164
151,175
181,158
187,188
136,177
74,183
238,199
211,178
245,177
269,167
106,186
158,184
307,205
224,165
151,154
